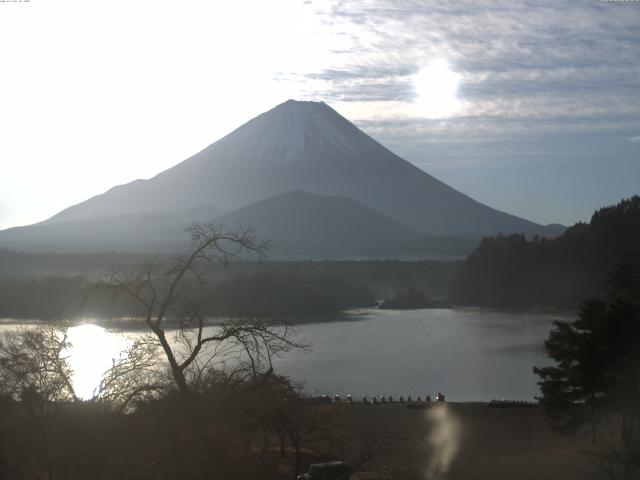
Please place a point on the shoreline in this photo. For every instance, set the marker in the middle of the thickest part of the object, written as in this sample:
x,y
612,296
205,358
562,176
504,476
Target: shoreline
x,y
348,315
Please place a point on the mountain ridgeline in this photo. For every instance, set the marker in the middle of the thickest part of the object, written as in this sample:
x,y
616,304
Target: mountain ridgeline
x,y
305,177
513,272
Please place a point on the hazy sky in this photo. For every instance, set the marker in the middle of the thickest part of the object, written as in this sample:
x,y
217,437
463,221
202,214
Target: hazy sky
x,y
529,107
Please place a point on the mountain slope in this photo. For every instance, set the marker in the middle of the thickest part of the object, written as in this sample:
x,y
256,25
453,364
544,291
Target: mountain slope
x,y
297,224
304,223
117,233
307,146
129,232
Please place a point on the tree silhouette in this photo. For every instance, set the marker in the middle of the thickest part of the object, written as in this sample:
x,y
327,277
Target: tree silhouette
x,y
597,373
512,271
162,295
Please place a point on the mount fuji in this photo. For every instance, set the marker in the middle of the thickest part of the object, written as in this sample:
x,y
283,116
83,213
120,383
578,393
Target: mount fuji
x,y
303,147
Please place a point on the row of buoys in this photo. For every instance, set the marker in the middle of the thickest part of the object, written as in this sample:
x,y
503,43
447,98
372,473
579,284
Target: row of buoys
x,y
382,399
376,400
511,404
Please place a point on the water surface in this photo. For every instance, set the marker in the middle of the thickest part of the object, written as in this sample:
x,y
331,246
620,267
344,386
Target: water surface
x,y
468,354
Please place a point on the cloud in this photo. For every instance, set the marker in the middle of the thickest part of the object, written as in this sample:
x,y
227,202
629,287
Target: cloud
x,y
551,76
547,64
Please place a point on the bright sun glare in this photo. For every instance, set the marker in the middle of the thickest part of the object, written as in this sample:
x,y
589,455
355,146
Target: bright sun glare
x,y
92,353
437,87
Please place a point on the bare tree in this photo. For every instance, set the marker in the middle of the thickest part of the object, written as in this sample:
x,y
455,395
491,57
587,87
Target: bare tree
x,y
325,430
300,422
33,364
159,291
34,371
133,377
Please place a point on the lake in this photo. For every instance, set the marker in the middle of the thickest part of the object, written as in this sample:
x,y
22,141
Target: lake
x,y
468,354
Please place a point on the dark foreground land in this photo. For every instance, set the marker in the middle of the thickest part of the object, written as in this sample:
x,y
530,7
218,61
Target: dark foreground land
x,y
468,441
215,439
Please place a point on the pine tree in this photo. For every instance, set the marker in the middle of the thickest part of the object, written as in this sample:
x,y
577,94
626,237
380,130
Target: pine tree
x,y
596,376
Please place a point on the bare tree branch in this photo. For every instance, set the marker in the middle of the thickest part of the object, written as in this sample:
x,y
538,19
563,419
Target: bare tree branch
x,y
159,292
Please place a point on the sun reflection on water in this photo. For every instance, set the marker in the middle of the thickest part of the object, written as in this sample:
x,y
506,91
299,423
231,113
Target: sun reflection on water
x,y
92,353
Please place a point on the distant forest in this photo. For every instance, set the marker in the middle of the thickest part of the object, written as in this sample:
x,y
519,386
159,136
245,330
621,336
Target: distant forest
x,y
53,286
502,272
513,272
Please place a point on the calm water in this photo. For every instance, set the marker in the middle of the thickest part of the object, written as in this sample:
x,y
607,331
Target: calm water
x,y
468,354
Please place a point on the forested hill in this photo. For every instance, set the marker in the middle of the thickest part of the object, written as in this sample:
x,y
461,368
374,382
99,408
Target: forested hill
x,y
513,272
